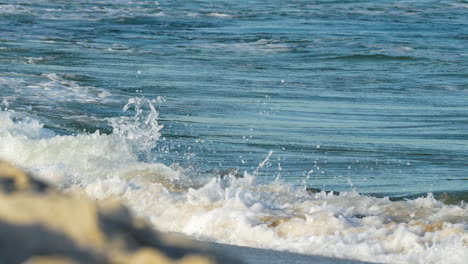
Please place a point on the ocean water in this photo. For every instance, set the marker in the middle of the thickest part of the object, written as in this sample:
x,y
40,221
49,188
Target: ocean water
x,y
336,128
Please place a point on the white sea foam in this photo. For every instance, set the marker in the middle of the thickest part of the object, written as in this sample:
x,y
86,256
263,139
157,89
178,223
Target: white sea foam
x,y
262,46
33,60
13,9
88,11
234,210
221,15
51,87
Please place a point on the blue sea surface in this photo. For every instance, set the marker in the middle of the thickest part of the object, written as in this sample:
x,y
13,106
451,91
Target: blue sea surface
x,y
370,96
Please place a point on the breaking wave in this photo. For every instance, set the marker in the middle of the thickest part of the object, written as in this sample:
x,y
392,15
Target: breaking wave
x,y
233,207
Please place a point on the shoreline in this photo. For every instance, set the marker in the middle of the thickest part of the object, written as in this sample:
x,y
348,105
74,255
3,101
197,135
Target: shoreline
x,y
252,255
249,255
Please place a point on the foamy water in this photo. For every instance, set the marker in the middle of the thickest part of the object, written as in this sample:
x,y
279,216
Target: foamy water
x,y
50,86
232,209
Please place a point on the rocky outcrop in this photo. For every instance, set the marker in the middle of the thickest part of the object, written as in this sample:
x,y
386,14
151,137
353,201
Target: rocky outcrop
x,y
39,224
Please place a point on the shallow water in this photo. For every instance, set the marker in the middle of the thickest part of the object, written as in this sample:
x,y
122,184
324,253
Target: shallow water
x,y
152,101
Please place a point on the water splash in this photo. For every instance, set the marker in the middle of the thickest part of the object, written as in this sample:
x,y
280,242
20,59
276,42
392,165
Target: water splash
x,y
140,131
263,163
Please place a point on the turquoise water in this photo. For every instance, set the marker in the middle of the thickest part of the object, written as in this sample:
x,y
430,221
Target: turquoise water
x,y
348,95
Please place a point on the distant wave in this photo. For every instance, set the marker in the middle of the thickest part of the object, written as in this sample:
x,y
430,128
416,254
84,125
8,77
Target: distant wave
x,y
374,57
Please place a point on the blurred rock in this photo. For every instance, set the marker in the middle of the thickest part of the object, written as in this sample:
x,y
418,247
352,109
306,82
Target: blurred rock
x,y
39,224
